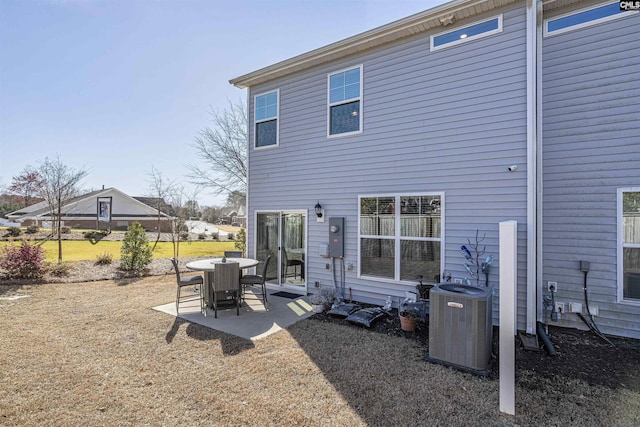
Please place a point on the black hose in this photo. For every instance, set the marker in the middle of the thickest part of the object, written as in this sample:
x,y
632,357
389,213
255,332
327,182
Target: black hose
x,y
545,340
595,330
592,325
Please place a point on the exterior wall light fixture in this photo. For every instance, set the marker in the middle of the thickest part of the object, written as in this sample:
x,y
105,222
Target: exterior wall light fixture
x,y
319,212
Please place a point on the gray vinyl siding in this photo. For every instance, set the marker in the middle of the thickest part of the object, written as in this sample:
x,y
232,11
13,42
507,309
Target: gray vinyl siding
x,y
449,121
591,134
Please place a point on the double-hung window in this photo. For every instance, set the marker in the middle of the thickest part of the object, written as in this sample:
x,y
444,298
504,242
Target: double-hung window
x,y
629,245
345,102
266,119
400,236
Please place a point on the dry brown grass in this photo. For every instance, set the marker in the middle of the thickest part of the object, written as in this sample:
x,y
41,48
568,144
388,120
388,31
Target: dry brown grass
x,y
97,354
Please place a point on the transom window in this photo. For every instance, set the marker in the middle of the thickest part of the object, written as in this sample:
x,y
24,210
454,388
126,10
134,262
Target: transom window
x,y
468,33
345,99
584,18
629,259
266,119
401,243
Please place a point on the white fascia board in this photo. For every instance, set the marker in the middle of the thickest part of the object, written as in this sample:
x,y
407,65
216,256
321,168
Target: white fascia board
x,y
405,27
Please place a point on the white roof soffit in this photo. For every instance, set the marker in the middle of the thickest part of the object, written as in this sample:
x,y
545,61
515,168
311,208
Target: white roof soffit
x,y
556,4
405,27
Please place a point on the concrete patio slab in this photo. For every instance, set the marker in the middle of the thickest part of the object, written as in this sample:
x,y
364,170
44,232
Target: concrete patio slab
x,y
253,323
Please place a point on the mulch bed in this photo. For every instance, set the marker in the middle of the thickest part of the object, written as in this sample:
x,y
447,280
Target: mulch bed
x,y
579,354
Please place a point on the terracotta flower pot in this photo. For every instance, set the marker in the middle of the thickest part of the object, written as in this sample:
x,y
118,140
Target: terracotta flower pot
x,y
408,324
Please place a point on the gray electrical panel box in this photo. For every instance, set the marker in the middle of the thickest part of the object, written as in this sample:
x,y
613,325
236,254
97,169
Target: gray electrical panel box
x,y
336,237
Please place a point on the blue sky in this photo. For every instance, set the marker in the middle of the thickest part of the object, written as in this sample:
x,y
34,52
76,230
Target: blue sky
x,y
119,86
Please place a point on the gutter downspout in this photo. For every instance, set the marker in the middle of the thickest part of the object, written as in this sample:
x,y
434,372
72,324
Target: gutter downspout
x,y
532,49
246,194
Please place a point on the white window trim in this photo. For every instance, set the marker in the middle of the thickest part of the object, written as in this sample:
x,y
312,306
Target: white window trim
x,y
620,243
467,39
397,238
346,101
547,33
277,119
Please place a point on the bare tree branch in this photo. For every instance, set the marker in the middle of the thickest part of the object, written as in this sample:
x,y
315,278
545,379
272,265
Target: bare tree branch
x,y
159,189
222,150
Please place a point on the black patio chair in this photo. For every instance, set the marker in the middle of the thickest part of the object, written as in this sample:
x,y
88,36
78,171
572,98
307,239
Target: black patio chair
x,y
292,262
233,254
226,285
257,280
183,282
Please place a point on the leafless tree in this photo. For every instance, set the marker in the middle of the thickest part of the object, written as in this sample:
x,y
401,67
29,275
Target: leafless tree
x,y
60,183
170,193
191,205
222,149
159,190
178,223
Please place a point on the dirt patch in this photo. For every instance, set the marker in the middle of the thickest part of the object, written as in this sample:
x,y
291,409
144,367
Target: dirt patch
x,y
580,355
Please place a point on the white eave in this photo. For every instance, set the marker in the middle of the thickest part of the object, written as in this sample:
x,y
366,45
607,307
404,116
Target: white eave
x,y
406,27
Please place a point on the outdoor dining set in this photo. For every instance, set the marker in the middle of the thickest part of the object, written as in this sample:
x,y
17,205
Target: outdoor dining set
x,y
223,281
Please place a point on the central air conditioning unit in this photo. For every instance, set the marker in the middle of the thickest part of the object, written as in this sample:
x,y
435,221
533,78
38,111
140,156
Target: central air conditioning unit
x,y
460,327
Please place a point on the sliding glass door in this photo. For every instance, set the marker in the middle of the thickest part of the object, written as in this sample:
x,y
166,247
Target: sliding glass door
x,y
268,242
283,235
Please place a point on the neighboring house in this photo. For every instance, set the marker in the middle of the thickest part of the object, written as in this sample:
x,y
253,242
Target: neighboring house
x,y
102,209
422,131
7,223
233,216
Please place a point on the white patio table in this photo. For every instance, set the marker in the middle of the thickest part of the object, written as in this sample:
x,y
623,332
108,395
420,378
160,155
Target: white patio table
x,y
208,266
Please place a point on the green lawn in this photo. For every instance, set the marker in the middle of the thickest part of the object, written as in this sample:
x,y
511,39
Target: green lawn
x,y
79,250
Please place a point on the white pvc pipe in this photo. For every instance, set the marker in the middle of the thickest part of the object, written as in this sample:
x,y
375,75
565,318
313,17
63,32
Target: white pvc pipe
x,y
532,165
508,314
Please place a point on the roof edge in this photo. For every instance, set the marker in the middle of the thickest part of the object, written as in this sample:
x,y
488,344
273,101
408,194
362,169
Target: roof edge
x,y
353,43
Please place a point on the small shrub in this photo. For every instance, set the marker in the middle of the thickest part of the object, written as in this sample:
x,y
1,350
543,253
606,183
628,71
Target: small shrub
x,y
135,252
104,259
241,243
230,236
215,236
14,231
184,236
94,234
65,230
23,262
325,297
202,236
60,270
317,299
32,229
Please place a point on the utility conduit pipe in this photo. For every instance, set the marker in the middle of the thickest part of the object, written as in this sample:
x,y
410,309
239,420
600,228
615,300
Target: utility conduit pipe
x,y
548,345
